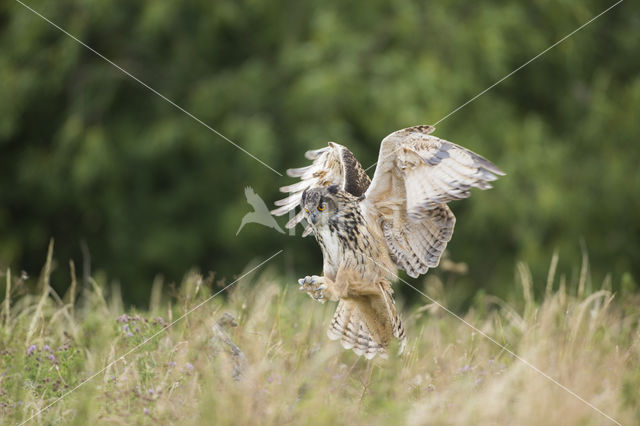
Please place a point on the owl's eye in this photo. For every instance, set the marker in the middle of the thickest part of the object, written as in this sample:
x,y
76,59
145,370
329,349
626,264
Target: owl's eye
x,y
306,210
322,206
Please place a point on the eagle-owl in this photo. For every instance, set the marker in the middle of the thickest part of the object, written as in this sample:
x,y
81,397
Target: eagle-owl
x,y
367,229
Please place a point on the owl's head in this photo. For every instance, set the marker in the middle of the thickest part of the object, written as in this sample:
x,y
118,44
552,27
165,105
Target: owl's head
x,y
320,204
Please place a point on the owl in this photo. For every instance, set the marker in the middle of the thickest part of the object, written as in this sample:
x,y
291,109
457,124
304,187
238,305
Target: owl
x,y
368,229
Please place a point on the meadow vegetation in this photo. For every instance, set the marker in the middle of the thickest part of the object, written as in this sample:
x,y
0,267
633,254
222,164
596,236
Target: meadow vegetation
x,y
273,364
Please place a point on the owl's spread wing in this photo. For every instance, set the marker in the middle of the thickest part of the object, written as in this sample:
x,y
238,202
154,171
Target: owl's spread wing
x,y
332,165
416,175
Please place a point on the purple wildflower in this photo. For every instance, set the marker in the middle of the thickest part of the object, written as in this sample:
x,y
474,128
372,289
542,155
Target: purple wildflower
x,y
464,369
31,349
275,378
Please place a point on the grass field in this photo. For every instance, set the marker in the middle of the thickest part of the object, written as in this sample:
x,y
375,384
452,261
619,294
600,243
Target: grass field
x,y
275,365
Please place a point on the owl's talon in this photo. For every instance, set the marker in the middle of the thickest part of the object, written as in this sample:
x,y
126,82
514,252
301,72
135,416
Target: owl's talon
x,y
314,286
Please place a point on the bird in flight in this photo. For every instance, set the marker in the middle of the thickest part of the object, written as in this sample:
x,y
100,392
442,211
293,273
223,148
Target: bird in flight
x,y
368,229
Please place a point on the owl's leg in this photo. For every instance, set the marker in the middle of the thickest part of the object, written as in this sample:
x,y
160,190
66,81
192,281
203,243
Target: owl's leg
x,y
318,288
350,283
347,284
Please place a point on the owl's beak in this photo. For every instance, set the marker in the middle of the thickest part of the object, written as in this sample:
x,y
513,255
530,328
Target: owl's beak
x,y
313,218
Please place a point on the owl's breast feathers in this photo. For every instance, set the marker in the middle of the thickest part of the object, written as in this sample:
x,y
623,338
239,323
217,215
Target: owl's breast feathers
x,y
352,240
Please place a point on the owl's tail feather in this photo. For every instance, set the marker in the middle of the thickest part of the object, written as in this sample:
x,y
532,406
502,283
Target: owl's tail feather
x,y
348,326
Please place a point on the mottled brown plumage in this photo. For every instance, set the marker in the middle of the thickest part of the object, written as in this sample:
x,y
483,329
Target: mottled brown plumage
x,y
368,229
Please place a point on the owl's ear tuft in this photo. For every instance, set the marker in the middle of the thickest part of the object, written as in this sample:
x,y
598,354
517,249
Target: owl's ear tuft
x,y
304,196
333,189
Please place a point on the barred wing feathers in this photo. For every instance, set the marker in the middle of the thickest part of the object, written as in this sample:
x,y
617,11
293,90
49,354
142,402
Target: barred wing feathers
x,y
416,175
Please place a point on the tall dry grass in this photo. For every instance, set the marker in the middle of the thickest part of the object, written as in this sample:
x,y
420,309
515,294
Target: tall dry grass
x,y
288,372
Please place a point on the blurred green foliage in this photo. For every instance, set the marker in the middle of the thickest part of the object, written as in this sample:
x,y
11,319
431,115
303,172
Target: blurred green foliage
x,y
88,154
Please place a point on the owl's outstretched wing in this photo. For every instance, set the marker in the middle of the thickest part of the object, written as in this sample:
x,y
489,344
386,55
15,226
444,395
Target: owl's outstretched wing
x,y
416,175
332,165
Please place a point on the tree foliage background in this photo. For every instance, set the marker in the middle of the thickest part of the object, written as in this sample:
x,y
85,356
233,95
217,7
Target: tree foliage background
x,y
89,156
